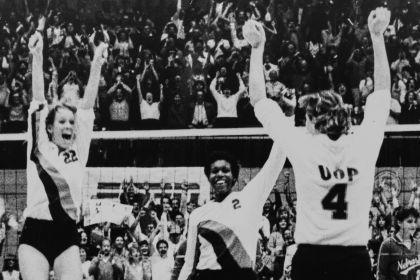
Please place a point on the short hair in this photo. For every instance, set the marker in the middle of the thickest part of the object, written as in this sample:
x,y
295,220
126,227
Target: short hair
x,y
222,155
160,242
326,110
404,213
53,112
143,242
105,239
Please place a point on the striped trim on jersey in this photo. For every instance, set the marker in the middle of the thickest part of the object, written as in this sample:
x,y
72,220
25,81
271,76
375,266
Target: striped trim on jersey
x,y
231,255
61,204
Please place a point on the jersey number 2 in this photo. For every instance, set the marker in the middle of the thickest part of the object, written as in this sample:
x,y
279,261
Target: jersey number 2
x,y
335,200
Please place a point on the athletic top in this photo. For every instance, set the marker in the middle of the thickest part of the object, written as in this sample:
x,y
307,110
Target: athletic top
x,y
55,177
227,231
334,179
396,261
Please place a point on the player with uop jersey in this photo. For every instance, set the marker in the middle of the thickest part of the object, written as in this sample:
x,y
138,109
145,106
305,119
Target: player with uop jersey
x,y
334,169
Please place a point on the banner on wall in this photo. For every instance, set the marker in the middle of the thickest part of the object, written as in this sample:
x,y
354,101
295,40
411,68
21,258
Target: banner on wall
x,y
105,210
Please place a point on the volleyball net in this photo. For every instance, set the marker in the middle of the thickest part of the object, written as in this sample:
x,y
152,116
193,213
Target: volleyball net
x,y
165,160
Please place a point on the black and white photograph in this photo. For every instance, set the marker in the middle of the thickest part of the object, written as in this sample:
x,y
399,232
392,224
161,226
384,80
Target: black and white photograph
x,y
210,140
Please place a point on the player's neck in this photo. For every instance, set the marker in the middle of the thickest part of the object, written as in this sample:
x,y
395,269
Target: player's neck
x,y
406,238
220,197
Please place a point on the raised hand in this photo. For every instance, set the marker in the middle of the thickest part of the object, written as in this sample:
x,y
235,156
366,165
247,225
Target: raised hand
x,y
101,53
287,101
253,33
41,24
36,44
378,21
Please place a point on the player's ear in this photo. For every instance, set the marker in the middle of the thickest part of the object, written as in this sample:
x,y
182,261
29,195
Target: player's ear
x,y
49,129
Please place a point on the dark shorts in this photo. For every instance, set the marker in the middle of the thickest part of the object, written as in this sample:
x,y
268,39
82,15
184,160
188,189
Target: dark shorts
x,y
224,274
318,262
49,237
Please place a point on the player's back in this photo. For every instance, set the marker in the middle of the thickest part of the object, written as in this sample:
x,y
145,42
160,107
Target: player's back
x,y
334,183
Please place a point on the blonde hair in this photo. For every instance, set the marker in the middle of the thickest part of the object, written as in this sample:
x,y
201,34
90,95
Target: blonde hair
x,y
326,110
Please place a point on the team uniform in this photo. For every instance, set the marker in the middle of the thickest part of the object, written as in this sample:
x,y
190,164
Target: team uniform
x,y
334,185
222,236
54,184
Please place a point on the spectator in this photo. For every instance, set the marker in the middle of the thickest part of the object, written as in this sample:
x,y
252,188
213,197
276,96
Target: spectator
x,y
17,106
400,249
132,194
201,112
395,109
4,97
275,247
119,108
399,64
177,114
410,111
119,251
9,271
145,259
133,268
149,110
227,115
85,264
105,266
71,88
179,260
162,263
356,67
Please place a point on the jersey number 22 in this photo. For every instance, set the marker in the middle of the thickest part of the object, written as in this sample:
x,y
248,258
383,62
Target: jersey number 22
x,y
335,200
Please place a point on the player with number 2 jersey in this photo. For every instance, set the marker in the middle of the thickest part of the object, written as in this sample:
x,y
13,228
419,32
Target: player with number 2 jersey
x,y
222,234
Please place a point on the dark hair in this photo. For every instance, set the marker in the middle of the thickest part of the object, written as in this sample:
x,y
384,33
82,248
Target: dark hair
x,y
326,110
53,112
160,242
403,214
386,225
143,242
222,155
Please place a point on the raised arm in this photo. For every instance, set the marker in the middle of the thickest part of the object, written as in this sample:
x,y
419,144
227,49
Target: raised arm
x,y
212,87
138,80
36,45
255,35
267,111
242,87
99,58
378,22
378,103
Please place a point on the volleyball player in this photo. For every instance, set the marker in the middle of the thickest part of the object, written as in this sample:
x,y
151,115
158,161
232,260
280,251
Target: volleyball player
x,y
334,169
57,154
222,234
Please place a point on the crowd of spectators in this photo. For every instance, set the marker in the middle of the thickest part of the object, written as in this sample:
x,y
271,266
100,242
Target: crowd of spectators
x,y
190,69
150,243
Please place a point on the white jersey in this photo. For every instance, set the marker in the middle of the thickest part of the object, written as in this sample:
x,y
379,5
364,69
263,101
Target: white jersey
x,y
55,178
227,231
334,179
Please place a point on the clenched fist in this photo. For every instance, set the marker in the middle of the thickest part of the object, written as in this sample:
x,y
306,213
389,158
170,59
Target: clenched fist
x,y
378,21
254,34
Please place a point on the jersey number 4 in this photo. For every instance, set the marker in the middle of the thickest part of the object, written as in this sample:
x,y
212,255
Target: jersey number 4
x,y
335,200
